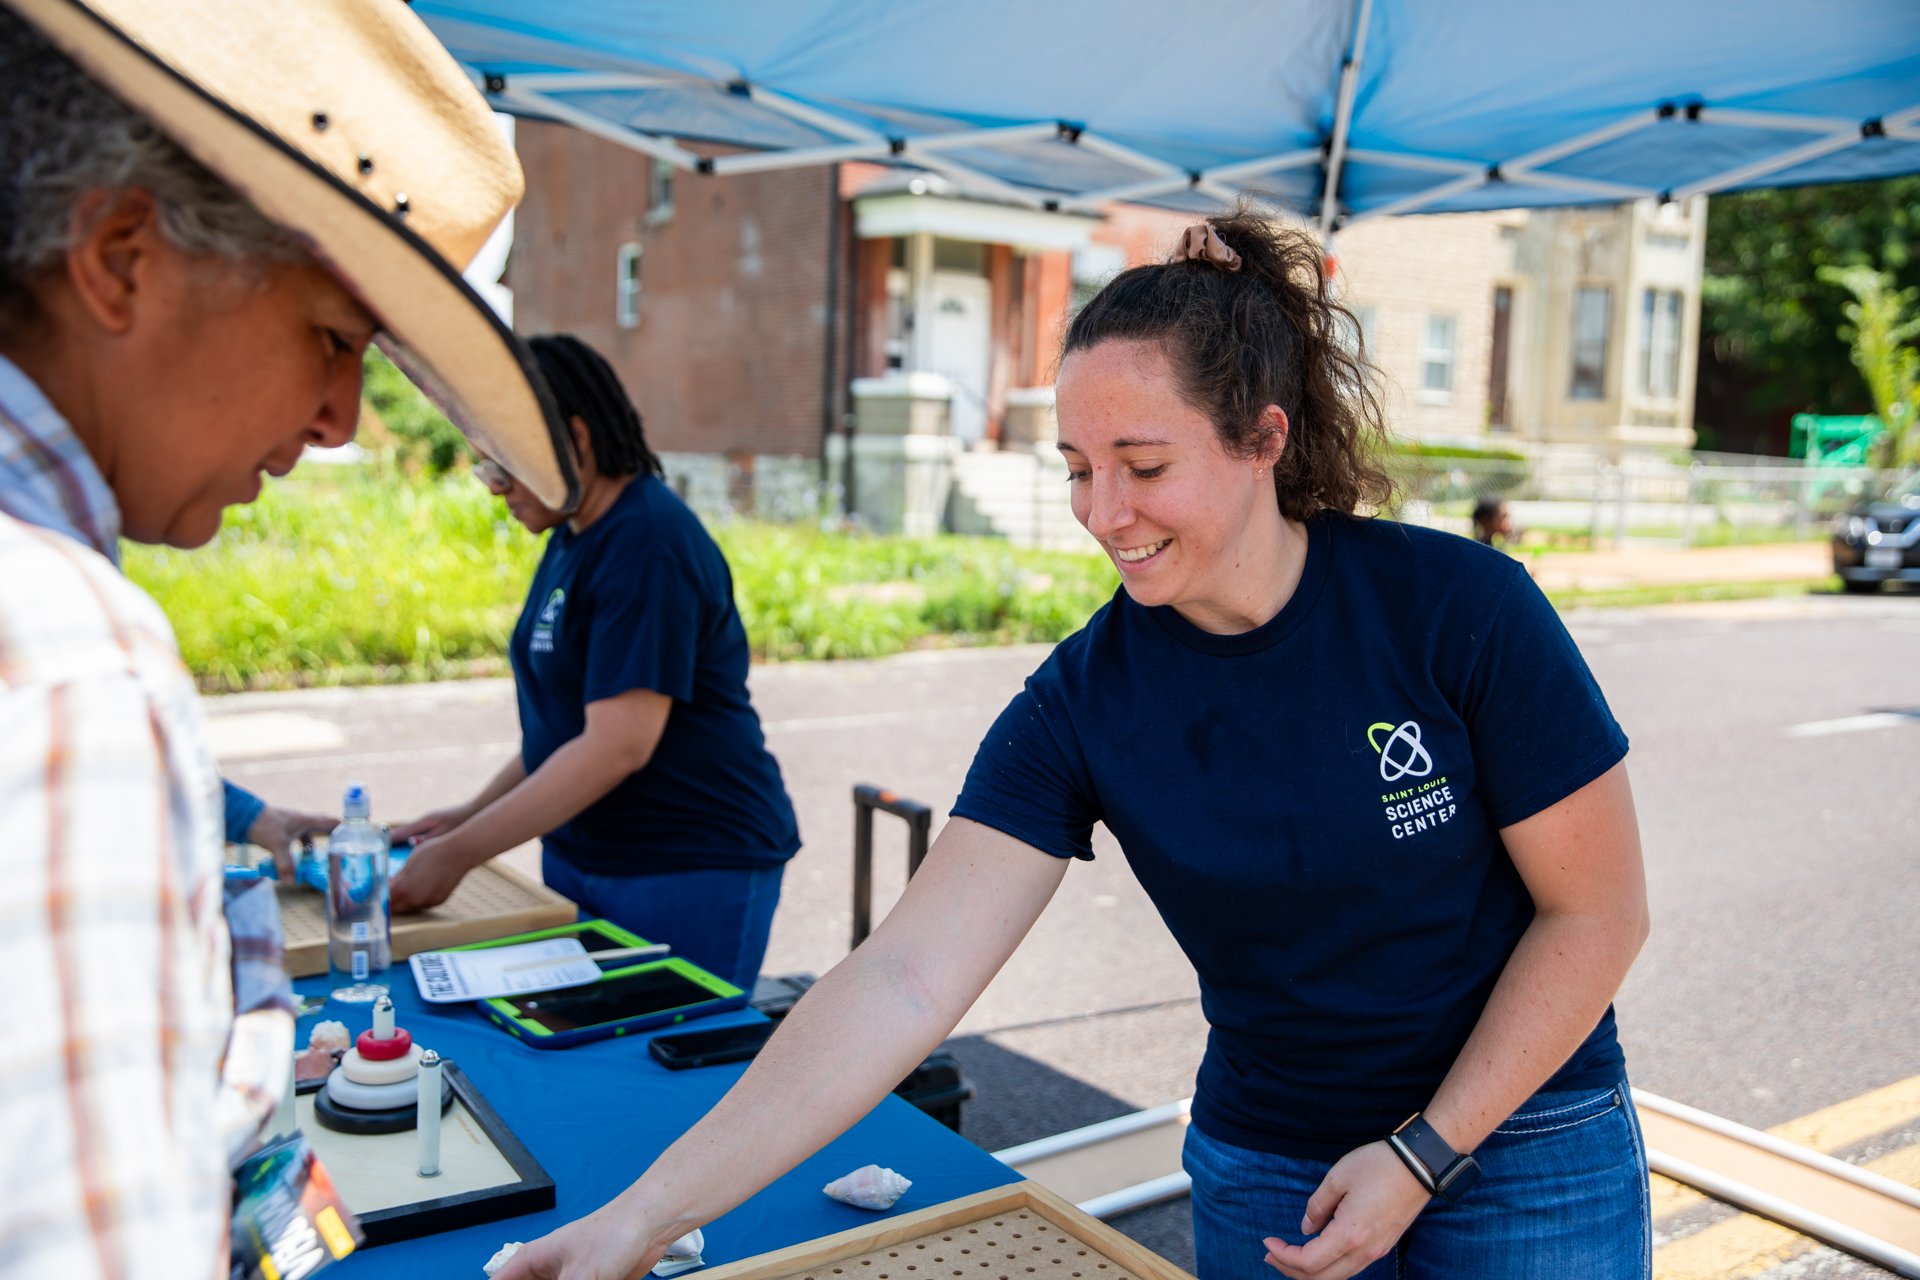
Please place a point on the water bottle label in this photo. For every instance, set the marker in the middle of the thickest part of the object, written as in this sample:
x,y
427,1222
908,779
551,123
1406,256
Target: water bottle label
x,y
359,963
362,931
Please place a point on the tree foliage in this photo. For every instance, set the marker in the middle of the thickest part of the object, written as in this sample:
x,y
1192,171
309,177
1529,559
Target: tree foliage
x,y
1881,323
422,435
1767,312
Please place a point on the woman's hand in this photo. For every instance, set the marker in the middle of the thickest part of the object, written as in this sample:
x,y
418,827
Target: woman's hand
x,y
276,829
1361,1209
430,874
428,825
604,1245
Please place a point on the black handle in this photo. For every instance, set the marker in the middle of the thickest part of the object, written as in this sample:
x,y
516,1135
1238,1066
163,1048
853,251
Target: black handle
x,y
919,820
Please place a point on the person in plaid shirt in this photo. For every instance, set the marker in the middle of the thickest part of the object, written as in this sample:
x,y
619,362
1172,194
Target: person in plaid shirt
x,y
165,340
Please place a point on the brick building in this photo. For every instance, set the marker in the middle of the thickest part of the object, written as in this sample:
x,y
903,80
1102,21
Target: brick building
x,y
883,339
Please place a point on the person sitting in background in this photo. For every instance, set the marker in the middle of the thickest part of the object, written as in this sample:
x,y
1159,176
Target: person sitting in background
x,y
641,764
164,340
1492,524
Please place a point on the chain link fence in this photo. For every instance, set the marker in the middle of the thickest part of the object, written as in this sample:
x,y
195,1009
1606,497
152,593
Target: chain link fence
x,y
1573,501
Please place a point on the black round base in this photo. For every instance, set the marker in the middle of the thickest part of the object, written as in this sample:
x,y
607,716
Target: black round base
x,y
394,1120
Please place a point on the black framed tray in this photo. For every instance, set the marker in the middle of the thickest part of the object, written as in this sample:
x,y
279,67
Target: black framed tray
x,y
487,1173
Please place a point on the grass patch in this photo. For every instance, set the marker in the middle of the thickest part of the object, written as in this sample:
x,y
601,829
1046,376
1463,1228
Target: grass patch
x,y
1686,593
362,576
346,577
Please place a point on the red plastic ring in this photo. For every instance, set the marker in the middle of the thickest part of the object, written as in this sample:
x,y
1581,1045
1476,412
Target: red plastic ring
x,y
384,1050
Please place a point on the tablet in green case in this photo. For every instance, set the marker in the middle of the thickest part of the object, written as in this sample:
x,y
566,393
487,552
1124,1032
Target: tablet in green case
x,y
635,997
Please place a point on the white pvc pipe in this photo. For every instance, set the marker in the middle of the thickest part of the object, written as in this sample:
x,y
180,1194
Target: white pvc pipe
x,y
1127,1199
1779,1146
1805,1221
1106,1130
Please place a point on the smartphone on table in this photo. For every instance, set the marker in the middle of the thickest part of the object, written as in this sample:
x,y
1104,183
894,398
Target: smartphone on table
x,y
710,1046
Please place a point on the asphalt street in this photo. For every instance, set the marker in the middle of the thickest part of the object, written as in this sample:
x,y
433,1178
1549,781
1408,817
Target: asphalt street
x,y
1776,747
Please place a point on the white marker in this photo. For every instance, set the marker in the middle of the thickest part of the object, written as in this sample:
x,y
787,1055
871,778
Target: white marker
x,y
383,1019
428,1122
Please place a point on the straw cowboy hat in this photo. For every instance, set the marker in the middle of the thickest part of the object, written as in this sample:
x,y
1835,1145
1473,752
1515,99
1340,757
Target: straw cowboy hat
x,y
347,123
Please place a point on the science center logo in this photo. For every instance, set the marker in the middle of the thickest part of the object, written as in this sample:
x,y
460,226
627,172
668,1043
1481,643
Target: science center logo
x,y
1403,757
542,641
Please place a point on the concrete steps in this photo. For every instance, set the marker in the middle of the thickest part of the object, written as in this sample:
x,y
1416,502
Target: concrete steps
x,y
1017,495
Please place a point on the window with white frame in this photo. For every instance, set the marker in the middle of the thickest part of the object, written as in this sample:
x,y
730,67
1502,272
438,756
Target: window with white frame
x,y
659,191
626,285
1660,343
899,312
1439,348
1592,307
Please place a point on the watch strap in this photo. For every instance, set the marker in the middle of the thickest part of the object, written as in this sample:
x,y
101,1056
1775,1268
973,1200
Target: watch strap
x,y
1438,1167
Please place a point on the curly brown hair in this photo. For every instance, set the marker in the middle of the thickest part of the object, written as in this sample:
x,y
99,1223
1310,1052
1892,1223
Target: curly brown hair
x,y
1269,333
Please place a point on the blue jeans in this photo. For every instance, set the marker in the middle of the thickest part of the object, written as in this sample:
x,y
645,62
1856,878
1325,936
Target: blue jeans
x,y
718,919
1562,1194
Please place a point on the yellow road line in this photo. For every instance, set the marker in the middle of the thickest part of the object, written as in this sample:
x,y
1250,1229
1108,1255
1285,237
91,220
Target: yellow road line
x,y
1829,1129
1743,1247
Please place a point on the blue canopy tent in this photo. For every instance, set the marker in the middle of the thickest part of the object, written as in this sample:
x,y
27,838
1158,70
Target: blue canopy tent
x,y
1336,109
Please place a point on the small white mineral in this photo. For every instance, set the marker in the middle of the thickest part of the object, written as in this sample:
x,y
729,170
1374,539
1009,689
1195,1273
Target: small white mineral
x,y
682,1255
504,1256
869,1187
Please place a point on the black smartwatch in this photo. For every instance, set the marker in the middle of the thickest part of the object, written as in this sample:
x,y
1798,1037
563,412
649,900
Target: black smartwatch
x,y
1440,1169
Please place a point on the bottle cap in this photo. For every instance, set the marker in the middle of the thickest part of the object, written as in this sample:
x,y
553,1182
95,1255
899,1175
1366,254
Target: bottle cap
x,y
357,804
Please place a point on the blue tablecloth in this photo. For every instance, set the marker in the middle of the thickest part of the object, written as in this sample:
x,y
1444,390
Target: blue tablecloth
x,y
597,1114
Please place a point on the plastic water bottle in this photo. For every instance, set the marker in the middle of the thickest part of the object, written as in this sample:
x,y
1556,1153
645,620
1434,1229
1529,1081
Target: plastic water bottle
x,y
359,949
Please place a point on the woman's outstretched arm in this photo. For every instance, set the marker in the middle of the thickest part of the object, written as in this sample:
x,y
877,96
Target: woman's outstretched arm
x,y
856,1035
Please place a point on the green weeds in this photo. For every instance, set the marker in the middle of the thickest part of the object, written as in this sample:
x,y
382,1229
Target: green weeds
x,y
354,576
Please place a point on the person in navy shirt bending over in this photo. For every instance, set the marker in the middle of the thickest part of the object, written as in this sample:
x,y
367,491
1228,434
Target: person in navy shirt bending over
x,y
641,763
1361,770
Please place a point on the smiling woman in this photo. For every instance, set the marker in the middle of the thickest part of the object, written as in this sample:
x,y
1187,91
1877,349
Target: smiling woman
x,y
1365,777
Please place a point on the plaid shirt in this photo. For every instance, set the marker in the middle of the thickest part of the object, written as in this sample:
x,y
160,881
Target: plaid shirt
x,y
127,1083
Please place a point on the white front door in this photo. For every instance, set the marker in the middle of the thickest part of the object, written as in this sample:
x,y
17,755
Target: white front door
x,y
963,347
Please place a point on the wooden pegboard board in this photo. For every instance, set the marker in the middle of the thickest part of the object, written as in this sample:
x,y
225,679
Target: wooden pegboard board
x,y
1017,1232
492,901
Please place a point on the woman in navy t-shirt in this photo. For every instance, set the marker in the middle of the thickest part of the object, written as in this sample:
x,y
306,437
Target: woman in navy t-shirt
x,y
1361,770
641,762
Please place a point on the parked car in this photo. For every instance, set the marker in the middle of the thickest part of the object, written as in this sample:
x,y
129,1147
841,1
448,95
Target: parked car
x,y
1879,540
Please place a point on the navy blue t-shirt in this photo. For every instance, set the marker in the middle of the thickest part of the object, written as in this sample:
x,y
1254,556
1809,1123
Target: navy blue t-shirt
x,y
643,599
1314,807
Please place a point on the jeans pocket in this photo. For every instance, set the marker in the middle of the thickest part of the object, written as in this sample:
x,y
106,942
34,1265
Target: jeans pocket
x,y
1552,1112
